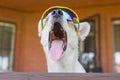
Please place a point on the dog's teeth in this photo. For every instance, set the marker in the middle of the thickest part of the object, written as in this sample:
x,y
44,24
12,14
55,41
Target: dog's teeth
x,y
65,46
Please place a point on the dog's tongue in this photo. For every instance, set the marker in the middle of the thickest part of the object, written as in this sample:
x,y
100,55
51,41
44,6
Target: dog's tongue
x,y
56,49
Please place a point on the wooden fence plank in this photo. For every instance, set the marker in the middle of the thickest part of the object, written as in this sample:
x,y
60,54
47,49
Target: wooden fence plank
x,y
58,76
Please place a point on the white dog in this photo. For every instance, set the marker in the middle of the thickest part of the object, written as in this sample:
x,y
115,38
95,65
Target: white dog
x,y
59,38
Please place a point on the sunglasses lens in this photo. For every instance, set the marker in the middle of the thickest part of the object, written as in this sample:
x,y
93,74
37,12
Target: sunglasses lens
x,y
68,14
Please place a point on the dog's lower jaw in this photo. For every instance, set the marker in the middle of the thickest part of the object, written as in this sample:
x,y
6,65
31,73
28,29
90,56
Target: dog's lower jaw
x,y
65,65
60,69
65,68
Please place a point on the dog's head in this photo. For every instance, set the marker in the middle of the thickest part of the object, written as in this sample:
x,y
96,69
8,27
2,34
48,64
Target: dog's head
x,y
60,31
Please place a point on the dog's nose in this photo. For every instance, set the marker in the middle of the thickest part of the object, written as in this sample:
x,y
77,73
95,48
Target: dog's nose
x,y
60,12
57,12
54,12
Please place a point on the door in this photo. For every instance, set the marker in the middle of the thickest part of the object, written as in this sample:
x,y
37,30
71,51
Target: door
x,y
90,48
116,44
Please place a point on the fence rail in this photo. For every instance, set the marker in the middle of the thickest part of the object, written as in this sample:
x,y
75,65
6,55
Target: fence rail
x,y
58,76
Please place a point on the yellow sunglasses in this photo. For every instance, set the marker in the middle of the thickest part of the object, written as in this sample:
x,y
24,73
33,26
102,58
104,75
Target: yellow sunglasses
x,y
68,13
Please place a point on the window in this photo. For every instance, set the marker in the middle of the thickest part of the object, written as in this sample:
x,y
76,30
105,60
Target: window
x,y
7,39
116,41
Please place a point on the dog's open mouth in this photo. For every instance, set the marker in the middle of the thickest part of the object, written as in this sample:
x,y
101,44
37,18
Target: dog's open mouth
x,y
57,41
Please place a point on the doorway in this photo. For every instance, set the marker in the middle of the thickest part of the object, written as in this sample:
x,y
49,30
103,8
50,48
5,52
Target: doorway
x,y
90,48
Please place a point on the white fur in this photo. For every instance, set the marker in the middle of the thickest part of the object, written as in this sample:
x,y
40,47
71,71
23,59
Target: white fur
x,y
69,60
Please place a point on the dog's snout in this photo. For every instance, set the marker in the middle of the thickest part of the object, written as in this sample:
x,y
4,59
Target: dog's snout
x,y
57,12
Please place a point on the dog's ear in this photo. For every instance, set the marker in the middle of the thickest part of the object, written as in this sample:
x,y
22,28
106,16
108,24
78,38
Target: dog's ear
x,y
84,30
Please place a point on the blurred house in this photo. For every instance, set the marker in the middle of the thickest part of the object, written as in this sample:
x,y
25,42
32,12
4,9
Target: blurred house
x,y
20,48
